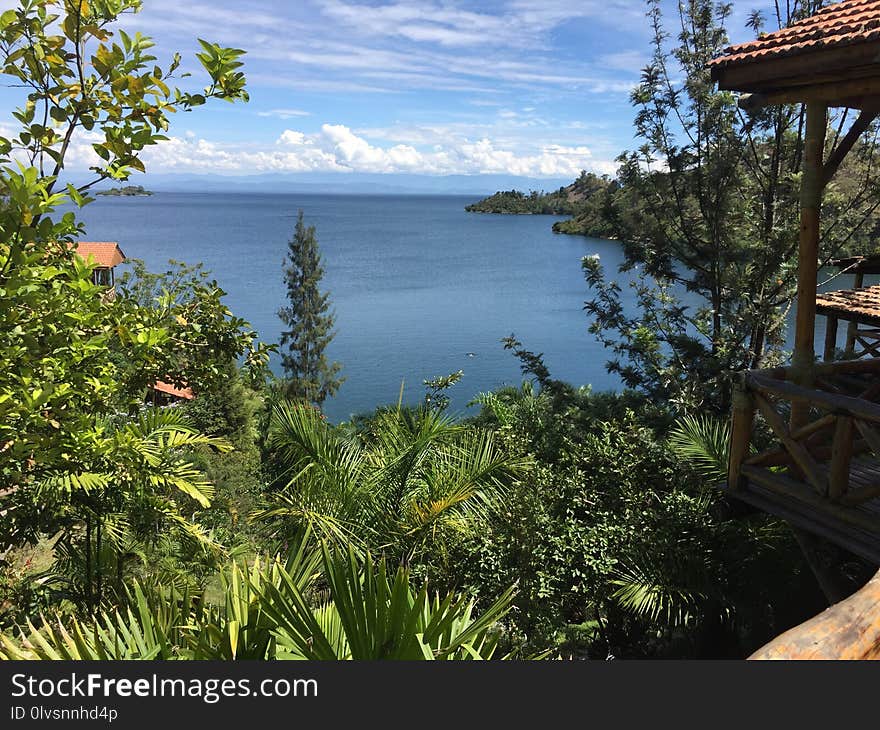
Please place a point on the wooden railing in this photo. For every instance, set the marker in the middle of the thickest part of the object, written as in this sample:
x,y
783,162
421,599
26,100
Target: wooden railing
x,y
833,458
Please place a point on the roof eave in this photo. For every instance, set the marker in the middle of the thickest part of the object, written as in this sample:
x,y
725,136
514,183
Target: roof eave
x,y
835,76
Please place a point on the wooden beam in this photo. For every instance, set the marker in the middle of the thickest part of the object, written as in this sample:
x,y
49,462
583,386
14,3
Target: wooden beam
x,y
856,496
803,360
848,366
813,427
831,402
799,453
857,94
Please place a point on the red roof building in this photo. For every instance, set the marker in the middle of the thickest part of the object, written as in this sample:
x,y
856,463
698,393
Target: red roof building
x,y
162,393
106,255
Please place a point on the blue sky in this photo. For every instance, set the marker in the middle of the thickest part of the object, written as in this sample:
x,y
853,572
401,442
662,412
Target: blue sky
x,y
537,88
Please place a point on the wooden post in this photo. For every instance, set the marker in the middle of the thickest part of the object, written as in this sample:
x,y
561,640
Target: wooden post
x,y
804,357
853,326
841,456
740,432
830,338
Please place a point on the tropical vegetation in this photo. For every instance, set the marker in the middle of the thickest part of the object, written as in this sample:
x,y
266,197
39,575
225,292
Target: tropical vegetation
x,y
243,525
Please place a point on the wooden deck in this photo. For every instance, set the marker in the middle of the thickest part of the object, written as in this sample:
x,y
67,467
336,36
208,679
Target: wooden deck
x,y
823,476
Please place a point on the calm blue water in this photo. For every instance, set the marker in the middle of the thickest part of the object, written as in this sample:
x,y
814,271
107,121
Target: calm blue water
x,y
416,282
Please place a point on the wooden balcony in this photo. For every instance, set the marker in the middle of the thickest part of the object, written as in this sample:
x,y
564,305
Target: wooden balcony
x,y
823,476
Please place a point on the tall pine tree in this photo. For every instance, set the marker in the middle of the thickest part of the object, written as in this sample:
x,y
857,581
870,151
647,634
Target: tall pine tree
x,y
309,322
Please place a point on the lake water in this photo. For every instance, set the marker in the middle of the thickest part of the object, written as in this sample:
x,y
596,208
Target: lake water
x,y
420,287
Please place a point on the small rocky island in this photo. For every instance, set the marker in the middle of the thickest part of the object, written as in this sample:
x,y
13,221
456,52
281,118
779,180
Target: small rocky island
x,y
128,191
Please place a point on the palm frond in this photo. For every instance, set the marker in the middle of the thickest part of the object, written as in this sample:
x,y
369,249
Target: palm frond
x,y
702,441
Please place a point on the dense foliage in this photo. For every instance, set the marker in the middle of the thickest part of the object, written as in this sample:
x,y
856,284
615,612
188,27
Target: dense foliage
x,y
568,200
243,525
82,469
532,203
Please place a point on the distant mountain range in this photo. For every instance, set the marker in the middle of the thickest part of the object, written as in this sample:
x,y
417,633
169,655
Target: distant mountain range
x,y
355,183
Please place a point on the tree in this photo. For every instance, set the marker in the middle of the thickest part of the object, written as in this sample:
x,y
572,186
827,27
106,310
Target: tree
x,y
58,339
64,458
206,338
309,322
709,204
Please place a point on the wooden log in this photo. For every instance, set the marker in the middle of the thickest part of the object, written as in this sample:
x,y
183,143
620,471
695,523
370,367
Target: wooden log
x,y
801,456
841,457
847,366
871,366
771,457
872,334
819,452
855,93
813,427
827,385
742,421
847,630
830,338
841,381
833,402
772,373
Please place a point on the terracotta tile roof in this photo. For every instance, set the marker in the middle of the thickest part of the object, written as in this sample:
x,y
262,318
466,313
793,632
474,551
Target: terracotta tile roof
x,y
104,253
841,24
173,390
849,303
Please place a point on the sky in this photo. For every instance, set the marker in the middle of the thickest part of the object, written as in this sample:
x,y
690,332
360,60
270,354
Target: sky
x,y
533,88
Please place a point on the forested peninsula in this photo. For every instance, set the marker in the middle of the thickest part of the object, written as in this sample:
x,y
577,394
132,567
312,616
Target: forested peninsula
x,y
583,200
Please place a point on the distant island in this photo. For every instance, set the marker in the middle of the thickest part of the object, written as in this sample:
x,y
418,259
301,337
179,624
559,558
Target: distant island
x,y
128,190
582,200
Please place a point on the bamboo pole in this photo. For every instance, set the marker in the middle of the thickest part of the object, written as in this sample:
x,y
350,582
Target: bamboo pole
x,y
830,338
803,361
740,432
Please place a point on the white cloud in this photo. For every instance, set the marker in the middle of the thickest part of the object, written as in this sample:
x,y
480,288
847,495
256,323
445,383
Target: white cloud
x,y
336,148
284,113
291,137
